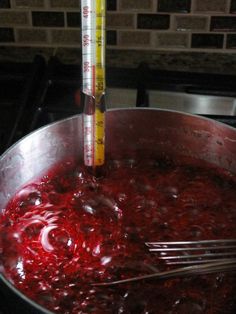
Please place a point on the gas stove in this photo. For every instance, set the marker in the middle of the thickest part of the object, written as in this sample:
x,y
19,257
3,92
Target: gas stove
x,y
39,93
33,95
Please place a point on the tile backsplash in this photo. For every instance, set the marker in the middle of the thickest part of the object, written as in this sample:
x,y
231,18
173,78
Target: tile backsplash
x,y
187,25
141,26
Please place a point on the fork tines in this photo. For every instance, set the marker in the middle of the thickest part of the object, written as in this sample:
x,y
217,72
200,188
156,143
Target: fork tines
x,y
193,252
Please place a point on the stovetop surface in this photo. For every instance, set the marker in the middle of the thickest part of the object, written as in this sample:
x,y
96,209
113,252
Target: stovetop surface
x,y
39,93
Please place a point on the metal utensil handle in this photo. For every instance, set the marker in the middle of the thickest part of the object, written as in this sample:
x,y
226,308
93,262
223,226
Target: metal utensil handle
x,y
209,268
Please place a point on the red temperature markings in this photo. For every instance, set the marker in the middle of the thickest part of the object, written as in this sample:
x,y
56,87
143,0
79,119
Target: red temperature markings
x,y
86,67
86,40
87,131
86,11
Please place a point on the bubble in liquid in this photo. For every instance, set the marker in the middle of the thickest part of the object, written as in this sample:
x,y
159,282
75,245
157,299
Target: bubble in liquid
x,y
86,228
105,260
30,195
196,231
20,268
44,238
89,209
61,241
116,164
131,163
173,191
33,230
122,197
35,199
163,209
111,205
190,306
96,250
54,198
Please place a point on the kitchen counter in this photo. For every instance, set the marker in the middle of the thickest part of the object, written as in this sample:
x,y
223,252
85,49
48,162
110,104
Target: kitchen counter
x,y
221,63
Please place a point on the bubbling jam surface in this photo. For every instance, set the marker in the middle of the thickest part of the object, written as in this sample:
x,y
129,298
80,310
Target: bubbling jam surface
x,y
68,229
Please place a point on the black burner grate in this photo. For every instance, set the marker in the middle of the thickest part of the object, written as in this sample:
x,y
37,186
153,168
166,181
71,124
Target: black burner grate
x,y
18,81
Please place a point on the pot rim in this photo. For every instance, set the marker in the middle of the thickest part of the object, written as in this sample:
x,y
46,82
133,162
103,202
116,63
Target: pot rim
x,y
23,296
118,109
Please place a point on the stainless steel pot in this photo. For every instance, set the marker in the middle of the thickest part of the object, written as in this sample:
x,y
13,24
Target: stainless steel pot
x,y
150,132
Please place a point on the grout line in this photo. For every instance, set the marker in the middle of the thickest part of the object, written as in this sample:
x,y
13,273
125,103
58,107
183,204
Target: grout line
x,y
224,41
172,23
65,20
12,4
189,40
49,35
228,6
46,5
209,24
15,35
118,6
134,48
30,18
118,38
135,21
153,39
154,6
193,6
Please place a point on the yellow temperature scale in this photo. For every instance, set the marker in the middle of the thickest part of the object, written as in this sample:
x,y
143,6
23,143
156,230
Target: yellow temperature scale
x,y
93,87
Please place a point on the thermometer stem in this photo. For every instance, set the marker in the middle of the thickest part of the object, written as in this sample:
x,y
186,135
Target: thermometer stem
x,y
93,72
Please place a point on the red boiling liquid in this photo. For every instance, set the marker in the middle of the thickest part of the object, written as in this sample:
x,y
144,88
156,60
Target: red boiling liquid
x,y
69,229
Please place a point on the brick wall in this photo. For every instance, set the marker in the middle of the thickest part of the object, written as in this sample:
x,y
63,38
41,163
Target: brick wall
x,y
178,35
157,25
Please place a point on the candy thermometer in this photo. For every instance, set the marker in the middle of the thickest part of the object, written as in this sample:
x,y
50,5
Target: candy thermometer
x,y
93,80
